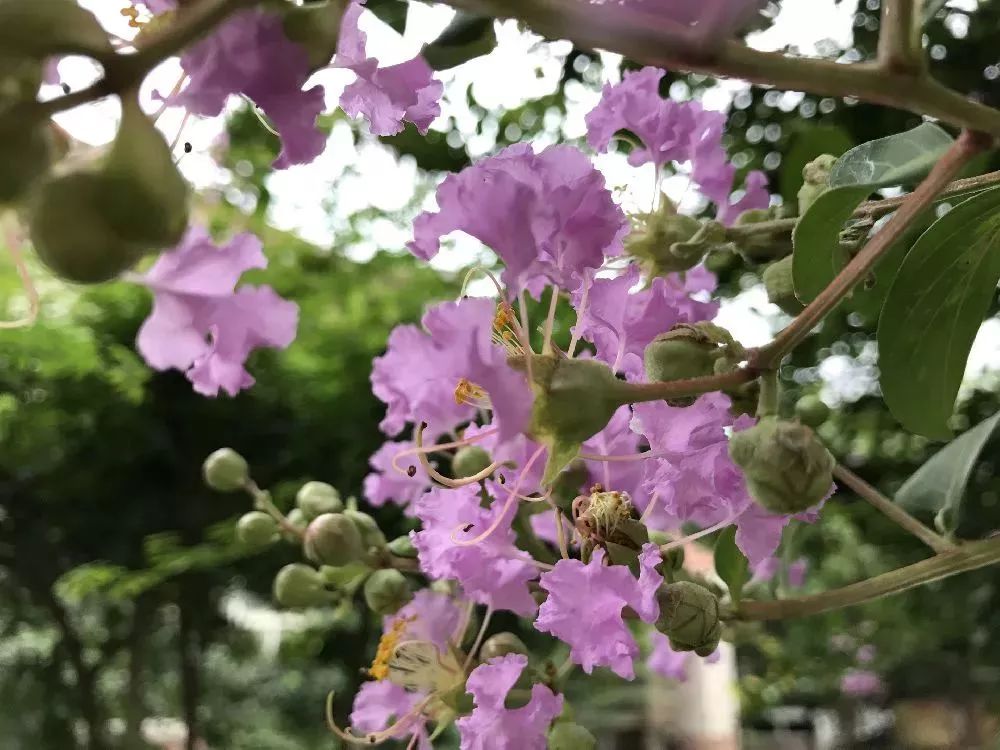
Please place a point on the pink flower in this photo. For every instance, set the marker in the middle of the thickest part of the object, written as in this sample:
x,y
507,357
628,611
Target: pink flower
x,y
431,616
387,485
385,96
379,703
682,132
493,571
418,376
566,222
861,683
201,324
621,323
493,726
250,54
585,603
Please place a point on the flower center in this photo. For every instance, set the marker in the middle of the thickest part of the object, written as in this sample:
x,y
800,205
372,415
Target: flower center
x,y
386,646
504,330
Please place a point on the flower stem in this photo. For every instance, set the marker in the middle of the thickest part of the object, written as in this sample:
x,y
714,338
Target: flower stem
x,y
770,393
968,145
958,560
636,393
123,72
933,540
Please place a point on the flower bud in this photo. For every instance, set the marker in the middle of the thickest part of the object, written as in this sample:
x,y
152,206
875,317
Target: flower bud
x,y
225,470
665,241
689,617
469,460
297,519
256,530
298,585
566,735
780,287
812,411
501,644
333,539
787,468
402,546
386,591
316,498
690,350
371,534
817,180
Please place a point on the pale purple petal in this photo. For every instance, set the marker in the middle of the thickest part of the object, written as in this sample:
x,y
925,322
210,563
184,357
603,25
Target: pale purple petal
x,y
861,683
431,616
377,705
387,485
492,726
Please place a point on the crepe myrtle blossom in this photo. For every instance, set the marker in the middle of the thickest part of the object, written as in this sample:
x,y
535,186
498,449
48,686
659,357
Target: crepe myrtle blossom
x,y
584,608
201,324
566,222
861,683
386,96
678,132
493,726
386,484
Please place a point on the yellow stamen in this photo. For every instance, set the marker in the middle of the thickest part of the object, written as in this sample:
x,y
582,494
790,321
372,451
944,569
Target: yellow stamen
x,y
386,646
505,331
467,392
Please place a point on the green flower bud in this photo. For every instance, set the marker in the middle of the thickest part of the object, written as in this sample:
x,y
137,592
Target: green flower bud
x,y
673,559
665,241
386,591
689,617
333,539
297,519
501,644
402,546
780,287
690,350
256,529
812,411
787,468
298,585
574,400
817,180
371,534
225,470
469,460
566,735
316,498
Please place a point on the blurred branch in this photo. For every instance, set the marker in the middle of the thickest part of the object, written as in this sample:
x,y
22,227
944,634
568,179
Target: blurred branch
x,y
669,46
899,47
935,541
959,560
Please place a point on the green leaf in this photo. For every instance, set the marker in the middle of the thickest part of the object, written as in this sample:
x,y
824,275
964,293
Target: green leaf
x,y
818,256
940,484
933,310
731,564
466,38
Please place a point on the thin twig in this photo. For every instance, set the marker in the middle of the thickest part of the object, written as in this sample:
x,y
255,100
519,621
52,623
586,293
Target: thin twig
x,y
864,490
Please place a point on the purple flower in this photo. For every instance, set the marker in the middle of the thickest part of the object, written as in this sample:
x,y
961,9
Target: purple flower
x,y
861,683
250,54
493,571
387,485
621,323
385,96
431,616
566,222
493,726
419,375
585,603
866,654
616,439
378,704
201,324
767,568
673,132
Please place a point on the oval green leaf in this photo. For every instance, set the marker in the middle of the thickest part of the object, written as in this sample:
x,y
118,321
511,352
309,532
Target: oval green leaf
x,y
892,160
939,486
933,310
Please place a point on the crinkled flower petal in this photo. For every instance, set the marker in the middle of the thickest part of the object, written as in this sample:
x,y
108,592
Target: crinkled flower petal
x,y
377,705
566,221
431,616
201,324
385,96
493,726
250,54
387,485
492,571
584,609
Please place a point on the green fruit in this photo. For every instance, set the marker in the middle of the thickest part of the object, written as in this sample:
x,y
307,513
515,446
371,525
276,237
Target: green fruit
x,y
780,287
566,735
689,617
256,529
298,585
316,498
812,411
402,546
371,534
386,591
226,470
501,644
469,460
333,539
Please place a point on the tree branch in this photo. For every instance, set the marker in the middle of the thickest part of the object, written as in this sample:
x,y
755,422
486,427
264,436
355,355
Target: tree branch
x,y
637,393
933,540
899,48
959,560
633,35
967,146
